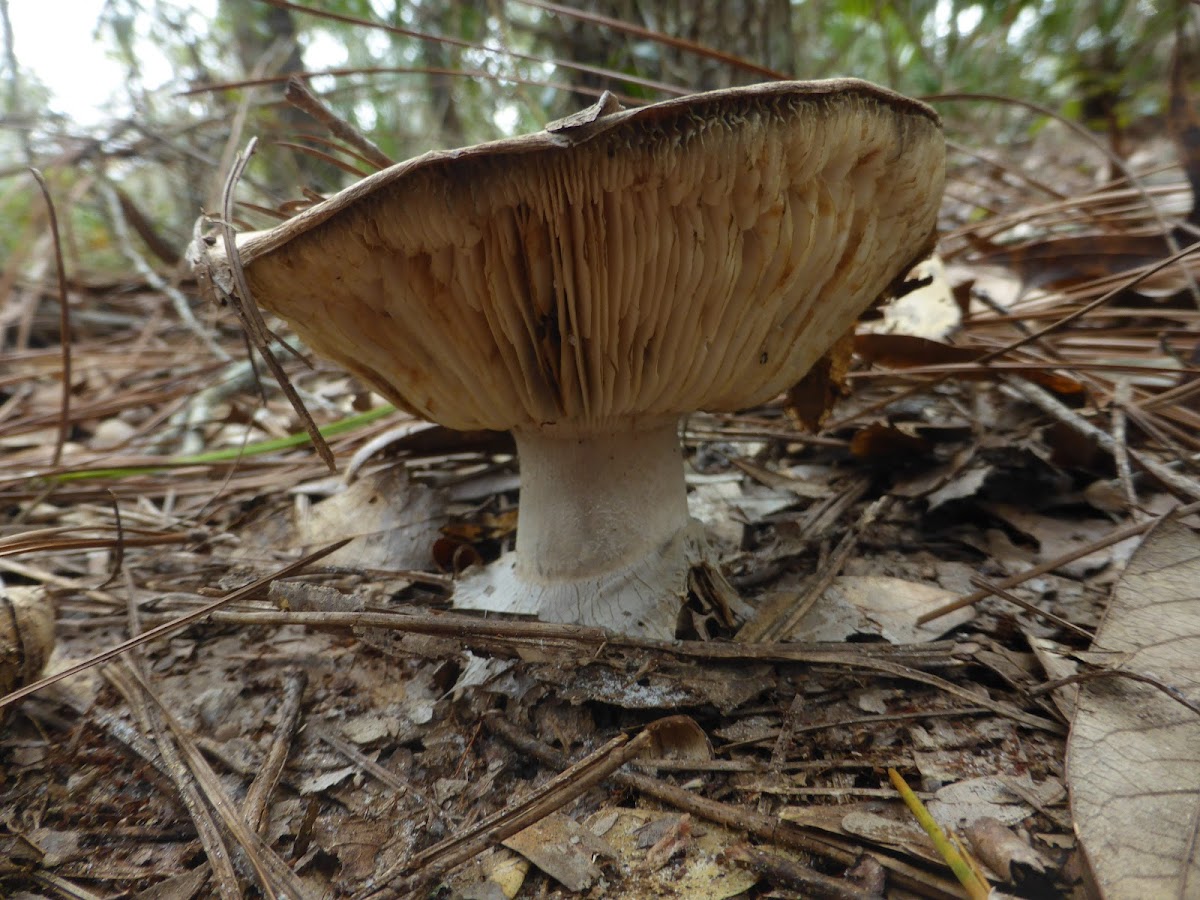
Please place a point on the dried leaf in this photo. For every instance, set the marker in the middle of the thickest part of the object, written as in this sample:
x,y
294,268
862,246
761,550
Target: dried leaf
x,y
963,802
901,834
679,737
504,872
1133,757
700,871
317,783
563,849
879,606
1005,853
393,520
881,443
810,399
667,686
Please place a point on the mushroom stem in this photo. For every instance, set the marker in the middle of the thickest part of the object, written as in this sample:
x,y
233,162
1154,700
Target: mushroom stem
x,y
604,536
597,504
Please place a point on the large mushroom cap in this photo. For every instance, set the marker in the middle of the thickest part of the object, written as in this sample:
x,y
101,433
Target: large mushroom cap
x,y
622,269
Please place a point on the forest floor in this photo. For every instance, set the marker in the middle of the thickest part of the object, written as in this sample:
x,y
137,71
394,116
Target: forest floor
x,y
1017,432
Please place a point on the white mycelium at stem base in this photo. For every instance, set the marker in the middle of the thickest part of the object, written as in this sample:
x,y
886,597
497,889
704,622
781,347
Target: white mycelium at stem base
x,y
603,535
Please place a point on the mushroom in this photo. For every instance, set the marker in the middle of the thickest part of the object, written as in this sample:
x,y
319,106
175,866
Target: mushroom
x,y
586,286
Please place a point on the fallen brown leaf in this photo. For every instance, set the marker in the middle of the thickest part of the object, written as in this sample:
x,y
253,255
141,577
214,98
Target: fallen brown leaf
x,y
1133,757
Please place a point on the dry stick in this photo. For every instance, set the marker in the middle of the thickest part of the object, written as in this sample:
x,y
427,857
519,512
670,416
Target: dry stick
x,y
258,795
788,873
783,741
765,827
1168,436
1043,400
298,94
1170,690
1177,394
118,556
576,780
219,859
276,879
1000,592
1122,397
249,315
20,545
64,321
327,158
885,718
584,643
64,887
385,776
1114,537
785,620
171,627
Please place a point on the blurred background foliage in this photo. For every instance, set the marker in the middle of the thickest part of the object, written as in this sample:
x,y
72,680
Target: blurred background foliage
x,y
420,74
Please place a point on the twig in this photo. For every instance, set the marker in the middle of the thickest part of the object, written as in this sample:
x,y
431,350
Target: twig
x,y
186,424
274,876
298,94
1113,537
584,642
167,628
64,887
64,321
217,853
1000,592
430,865
219,859
373,768
885,718
1044,401
575,642
783,741
1082,311
258,795
765,827
1173,692
1122,397
780,622
789,873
